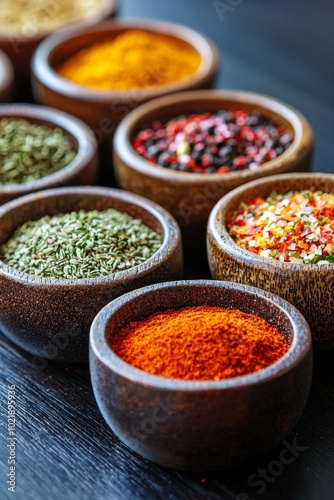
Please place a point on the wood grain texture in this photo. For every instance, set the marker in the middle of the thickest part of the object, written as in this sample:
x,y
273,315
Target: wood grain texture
x,y
66,451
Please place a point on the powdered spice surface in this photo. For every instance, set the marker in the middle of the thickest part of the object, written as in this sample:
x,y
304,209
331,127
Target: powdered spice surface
x,y
200,343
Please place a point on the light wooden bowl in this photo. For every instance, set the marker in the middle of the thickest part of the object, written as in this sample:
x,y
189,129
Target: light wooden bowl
x,y
200,425
308,287
51,318
6,78
19,48
83,169
190,197
103,110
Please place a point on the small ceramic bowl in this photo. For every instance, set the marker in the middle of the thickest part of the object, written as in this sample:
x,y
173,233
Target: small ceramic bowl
x,y
200,425
190,197
6,78
50,318
103,110
20,47
308,287
84,167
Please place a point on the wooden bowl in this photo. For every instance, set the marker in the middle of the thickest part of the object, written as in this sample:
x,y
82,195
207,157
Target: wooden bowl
x,y
20,47
83,169
50,318
308,287
103,110
6,78
191,196
200,425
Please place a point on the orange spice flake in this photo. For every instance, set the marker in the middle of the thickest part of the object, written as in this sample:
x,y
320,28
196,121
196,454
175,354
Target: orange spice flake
x,y
200,343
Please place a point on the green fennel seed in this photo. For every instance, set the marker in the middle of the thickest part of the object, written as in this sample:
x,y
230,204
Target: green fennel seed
x,y
30,151
83,244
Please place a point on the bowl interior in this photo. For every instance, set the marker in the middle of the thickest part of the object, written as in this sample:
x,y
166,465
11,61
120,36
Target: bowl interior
x,y
58,48
263,188
33,116
177,296
33,35
194,102
71,46
57,121
212,105
54,202
79,135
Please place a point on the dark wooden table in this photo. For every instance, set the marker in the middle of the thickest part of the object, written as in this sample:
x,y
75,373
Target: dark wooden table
x,y
64,449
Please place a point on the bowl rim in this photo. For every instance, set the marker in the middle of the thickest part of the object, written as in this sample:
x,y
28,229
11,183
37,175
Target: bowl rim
x,y
7,70
100,348
217,229
107,8
124,150
171,236
72,127
44,73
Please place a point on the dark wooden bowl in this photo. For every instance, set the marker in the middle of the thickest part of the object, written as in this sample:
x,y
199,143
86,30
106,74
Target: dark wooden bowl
x,y
308,287
190,197
103,110
200,425
19,48
50,318
81,171
6,78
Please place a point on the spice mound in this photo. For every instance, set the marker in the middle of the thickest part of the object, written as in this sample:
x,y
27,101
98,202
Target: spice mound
x,y
135,59
28,17
296,227
29,151
80,245
200,343
206,143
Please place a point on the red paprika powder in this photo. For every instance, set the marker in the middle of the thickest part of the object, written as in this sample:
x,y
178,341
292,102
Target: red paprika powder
x,y
200,343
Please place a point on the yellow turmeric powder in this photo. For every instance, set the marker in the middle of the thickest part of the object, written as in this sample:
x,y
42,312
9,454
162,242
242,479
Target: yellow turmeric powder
x,y
135,59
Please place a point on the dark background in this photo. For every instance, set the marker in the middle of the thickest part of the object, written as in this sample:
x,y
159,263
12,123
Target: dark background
x,y
65,450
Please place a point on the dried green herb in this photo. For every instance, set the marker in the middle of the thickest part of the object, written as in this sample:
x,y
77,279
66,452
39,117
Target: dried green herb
x,y
30,151
80,245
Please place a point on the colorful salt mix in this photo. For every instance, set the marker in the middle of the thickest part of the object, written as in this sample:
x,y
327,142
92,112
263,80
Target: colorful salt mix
x,y
296,227
80,245
226,141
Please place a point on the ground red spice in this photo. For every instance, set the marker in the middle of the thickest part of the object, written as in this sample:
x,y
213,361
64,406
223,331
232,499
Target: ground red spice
x,y
200,343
